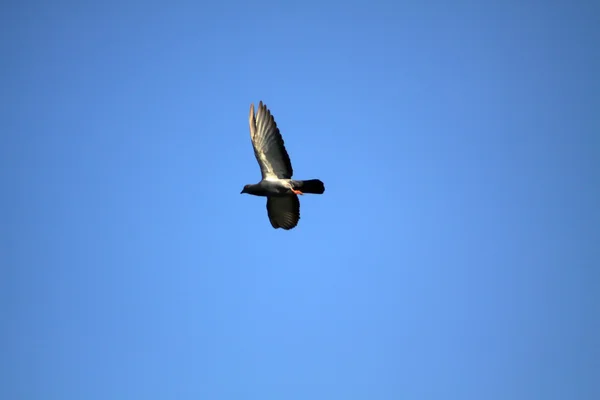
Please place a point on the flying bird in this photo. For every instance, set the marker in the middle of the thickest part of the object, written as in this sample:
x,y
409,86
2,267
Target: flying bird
x,y
277,185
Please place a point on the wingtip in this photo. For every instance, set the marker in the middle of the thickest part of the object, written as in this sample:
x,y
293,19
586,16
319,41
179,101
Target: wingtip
x,y
251,120
260,105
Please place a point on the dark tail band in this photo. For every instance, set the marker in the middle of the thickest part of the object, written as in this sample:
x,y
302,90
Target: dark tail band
x,y
313,186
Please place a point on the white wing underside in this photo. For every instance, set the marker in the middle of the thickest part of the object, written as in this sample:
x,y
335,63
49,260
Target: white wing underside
x,y
268,145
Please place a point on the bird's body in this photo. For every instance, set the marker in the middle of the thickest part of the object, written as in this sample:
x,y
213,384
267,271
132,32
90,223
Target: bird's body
x,y
283,206
284,187
267,187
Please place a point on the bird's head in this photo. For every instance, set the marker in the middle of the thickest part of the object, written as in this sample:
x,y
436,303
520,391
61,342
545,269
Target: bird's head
x,y
245,189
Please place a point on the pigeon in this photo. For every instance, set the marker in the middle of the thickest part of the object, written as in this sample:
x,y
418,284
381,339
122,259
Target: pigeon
x,y
277,185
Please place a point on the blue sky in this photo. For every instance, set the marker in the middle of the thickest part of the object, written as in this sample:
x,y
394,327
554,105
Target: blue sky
x,y
454,254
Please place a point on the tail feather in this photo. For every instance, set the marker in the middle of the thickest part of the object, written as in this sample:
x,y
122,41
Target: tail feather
x,y
313,186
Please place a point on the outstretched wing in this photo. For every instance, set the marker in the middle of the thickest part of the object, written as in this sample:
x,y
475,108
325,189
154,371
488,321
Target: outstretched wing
x,y
284,212
268,145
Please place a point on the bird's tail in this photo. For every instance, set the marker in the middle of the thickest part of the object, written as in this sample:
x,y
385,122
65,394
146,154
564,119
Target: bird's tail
x,y
313,186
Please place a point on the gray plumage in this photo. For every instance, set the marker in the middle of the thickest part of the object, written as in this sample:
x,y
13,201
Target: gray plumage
x,y
283,205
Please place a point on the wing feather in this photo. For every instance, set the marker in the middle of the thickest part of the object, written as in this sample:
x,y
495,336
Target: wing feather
x,y
268,145
284,212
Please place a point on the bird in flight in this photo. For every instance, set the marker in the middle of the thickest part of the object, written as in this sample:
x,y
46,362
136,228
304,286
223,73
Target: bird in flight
x,y
277,185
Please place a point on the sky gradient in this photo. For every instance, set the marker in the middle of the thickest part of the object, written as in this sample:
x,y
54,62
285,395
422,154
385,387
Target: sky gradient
x,y
454,255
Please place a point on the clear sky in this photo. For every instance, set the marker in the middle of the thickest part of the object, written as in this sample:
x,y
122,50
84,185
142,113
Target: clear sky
x,y
454,255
